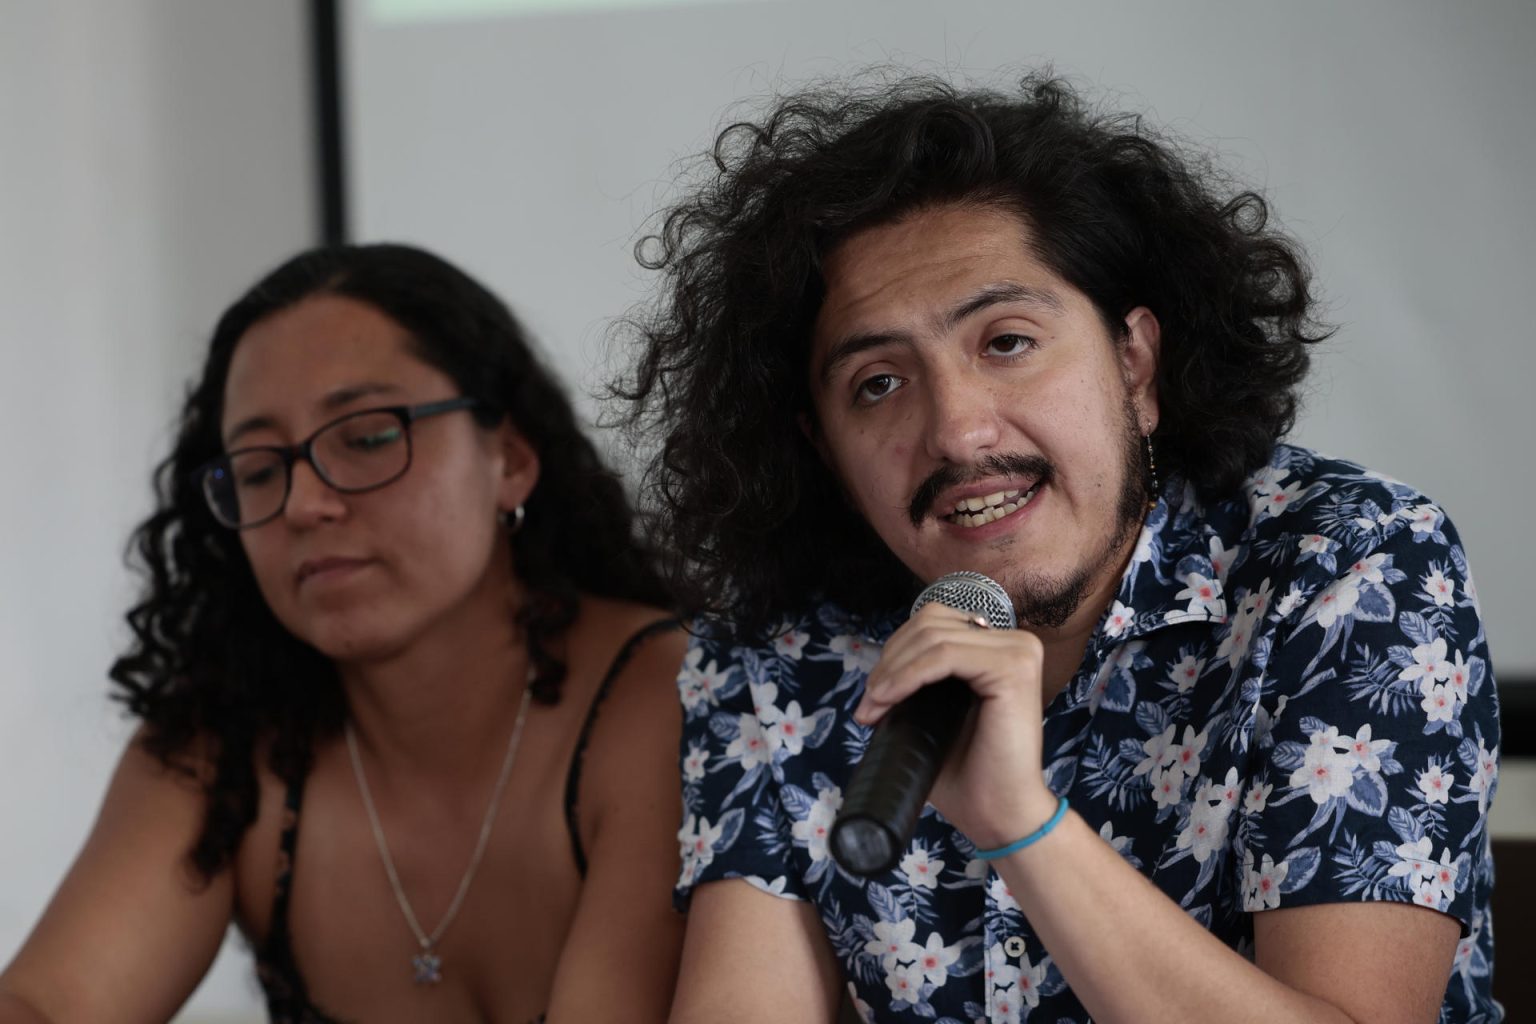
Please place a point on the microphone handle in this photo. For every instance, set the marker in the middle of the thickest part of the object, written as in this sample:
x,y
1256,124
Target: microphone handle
x,y
889,786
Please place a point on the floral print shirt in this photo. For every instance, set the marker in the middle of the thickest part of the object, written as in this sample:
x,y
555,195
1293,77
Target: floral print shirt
x,y
1289,702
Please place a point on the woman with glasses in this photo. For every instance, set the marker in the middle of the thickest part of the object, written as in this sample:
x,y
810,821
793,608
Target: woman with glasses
x,y
406,687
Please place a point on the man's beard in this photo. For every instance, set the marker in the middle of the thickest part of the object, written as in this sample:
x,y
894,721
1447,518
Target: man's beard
x,y
1047,602
1040,600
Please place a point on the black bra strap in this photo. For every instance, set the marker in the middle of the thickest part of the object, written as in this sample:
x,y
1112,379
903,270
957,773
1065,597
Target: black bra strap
x,y
573,777
287,845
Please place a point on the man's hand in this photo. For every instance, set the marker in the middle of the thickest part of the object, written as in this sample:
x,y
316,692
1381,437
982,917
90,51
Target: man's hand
x,y
992,788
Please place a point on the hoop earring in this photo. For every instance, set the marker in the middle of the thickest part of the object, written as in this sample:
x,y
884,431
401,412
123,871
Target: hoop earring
x,y
1154,485
513,521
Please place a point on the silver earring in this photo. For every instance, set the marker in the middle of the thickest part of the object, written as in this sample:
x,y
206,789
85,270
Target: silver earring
x,y
1154,485
513,521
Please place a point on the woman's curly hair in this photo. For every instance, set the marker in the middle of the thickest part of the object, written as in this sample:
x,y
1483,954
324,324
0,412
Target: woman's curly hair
x,y
211,671
756,521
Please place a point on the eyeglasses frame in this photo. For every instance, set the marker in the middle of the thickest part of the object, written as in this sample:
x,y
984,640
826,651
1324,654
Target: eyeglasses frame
x,y
304,451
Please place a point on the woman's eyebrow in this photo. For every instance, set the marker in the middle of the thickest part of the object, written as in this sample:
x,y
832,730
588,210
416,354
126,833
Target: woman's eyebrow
x,y
332,400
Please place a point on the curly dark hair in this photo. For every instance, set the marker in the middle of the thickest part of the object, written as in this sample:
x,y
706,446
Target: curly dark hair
x,y
757,522
212,672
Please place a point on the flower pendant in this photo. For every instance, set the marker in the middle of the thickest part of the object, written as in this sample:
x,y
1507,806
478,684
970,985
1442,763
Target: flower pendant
x,y
428,966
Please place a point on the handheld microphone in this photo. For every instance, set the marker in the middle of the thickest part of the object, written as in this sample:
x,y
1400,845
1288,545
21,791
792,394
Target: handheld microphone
x,y
890,785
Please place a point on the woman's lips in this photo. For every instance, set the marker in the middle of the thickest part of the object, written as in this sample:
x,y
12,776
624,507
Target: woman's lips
x,y
321,569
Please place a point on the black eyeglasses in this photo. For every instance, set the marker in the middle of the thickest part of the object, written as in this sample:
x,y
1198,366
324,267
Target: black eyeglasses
x,y
359,452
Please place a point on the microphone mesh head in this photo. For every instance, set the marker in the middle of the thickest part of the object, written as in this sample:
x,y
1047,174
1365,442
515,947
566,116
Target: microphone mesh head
x,y
972,593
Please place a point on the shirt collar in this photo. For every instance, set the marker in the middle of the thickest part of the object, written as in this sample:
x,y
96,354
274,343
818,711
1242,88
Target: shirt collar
x,y
1175,575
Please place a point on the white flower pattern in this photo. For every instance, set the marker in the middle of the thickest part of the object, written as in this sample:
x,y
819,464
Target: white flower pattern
x,y
1289,701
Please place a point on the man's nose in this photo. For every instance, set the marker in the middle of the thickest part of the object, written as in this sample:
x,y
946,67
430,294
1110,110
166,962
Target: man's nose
x,y
963,417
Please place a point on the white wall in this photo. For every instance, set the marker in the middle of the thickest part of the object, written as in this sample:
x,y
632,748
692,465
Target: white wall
x,y
531,139
155,158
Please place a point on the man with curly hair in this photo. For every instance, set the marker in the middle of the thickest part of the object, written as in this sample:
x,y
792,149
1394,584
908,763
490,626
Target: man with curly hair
x,y
1235,765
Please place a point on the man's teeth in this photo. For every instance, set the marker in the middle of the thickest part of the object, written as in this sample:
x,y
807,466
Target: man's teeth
x,y
973,512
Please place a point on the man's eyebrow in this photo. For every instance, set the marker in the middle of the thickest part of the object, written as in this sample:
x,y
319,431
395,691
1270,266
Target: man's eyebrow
x,y
852,345
991,295
333,400
1003,291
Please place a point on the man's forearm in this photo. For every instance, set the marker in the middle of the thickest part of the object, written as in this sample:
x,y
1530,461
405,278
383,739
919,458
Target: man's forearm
x,y
1130,953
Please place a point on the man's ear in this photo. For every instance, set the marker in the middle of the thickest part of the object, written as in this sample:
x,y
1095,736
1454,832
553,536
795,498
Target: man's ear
x,y
1140,354
519,466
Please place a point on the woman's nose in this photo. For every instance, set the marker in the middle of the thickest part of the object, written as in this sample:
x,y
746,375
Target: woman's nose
x,y
310,499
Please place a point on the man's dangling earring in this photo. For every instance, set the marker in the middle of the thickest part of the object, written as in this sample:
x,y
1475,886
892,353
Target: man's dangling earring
x,y
513,521
1154,485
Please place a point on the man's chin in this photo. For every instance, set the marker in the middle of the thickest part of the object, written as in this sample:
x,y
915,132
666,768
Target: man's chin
x,y
1049,602
1044,603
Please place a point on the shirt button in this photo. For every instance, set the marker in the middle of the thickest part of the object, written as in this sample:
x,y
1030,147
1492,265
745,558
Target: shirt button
x,y
1014,946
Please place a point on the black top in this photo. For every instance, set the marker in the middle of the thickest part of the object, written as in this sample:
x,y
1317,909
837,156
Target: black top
x,y
287,998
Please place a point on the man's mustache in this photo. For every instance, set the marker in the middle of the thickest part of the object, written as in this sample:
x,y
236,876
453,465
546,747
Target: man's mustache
x,y
950,475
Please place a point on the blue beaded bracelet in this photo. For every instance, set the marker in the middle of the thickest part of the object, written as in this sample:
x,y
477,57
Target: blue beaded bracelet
x,y
1029,840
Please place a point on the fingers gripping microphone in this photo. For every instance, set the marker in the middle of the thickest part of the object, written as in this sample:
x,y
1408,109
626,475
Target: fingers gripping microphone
x,y
890,785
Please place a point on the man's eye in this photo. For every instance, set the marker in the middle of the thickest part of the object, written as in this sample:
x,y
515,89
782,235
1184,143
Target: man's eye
x,y
1010,345
877,387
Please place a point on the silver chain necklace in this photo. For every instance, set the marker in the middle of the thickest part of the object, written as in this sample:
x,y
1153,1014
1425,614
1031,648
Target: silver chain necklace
x,y
427,965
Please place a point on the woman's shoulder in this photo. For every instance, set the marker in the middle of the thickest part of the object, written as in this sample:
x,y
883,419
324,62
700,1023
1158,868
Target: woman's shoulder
x,y
626,639
157,788
637,652
619,615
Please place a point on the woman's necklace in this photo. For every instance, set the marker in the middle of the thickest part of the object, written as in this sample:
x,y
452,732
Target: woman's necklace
x,y
427,964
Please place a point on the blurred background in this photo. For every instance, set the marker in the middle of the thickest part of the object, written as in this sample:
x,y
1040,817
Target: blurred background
x,y
156,156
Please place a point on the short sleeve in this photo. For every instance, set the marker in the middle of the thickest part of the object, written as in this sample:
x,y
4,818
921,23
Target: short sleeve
x,y
1377,736
733,823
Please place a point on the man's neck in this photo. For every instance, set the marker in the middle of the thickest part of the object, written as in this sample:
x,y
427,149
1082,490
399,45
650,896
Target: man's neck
x,y
1065,645
1063,656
